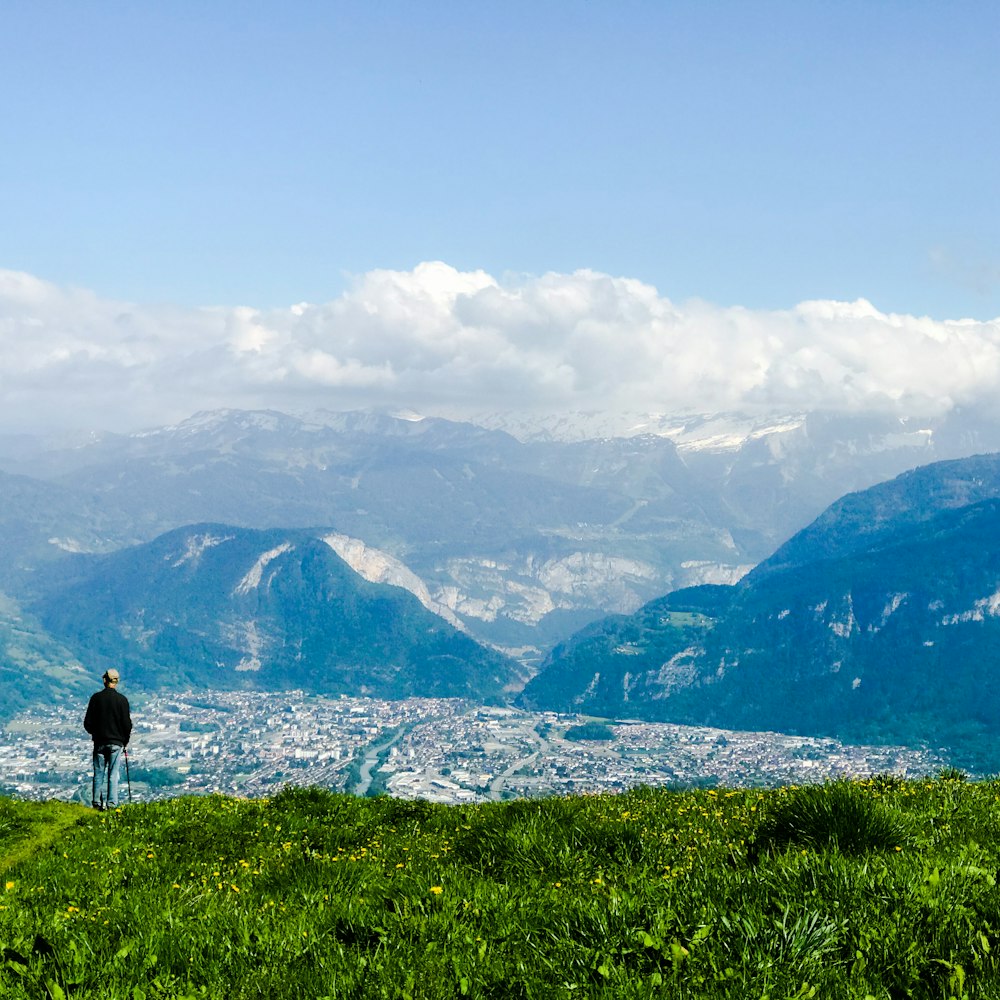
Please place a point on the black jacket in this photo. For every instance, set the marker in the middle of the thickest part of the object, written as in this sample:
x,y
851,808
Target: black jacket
x,y
108,719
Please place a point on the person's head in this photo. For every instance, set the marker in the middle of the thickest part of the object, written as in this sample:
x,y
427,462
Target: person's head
x,y
110,677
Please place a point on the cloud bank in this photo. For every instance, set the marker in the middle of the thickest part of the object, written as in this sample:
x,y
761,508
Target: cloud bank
x,y
459,343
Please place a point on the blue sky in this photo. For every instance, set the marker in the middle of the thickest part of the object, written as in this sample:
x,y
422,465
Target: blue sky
x,y
748,154
510,207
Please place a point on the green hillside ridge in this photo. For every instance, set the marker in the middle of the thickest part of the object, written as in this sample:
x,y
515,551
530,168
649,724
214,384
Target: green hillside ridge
x,y
896,641
214,605
33,665
866,627
879,889
860,521
613,667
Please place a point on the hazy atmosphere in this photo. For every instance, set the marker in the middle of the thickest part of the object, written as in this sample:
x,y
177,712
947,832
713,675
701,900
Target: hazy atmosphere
x,y
453,208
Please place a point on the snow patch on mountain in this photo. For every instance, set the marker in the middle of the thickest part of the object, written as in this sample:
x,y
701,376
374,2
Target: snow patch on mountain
x,y
727,433
722,432
410,416
214,420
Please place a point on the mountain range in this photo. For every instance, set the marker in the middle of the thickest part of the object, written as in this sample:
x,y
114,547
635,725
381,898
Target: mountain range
x,y
775,573
878,622
523,539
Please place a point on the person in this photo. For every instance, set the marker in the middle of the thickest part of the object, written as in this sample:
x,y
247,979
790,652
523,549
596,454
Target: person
x,y
109,722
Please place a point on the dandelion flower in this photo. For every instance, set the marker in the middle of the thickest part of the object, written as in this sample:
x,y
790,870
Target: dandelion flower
x,y
437,890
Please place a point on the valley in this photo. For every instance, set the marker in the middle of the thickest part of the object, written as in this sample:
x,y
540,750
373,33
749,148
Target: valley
x,y
443,750
718,573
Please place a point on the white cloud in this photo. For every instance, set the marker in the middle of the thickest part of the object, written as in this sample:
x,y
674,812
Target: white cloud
x,y
445,341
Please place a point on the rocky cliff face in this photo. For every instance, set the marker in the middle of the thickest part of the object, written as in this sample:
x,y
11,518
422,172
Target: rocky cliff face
x,y
380,567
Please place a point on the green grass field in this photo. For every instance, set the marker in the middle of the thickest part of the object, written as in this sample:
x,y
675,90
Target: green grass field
x,y
881,888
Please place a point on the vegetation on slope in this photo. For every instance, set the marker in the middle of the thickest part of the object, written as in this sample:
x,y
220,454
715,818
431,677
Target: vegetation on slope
x,y
33,665
213,605
891,641
613,666
879,889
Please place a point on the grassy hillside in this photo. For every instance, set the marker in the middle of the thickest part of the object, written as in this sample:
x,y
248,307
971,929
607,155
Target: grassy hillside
x,y
883,888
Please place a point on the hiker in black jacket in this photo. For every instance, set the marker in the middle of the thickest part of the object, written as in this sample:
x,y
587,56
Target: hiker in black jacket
x,y
109,723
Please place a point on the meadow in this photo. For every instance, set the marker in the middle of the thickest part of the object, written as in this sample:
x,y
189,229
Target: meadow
x,y
882,888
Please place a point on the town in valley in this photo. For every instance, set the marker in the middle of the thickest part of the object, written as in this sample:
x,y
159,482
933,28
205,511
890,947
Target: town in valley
x,y
251,744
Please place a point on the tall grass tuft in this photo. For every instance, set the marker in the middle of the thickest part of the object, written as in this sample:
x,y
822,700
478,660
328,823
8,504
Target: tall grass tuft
x,y
839,815
553,838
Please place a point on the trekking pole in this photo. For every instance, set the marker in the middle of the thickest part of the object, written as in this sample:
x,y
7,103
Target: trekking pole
x,y
128,779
